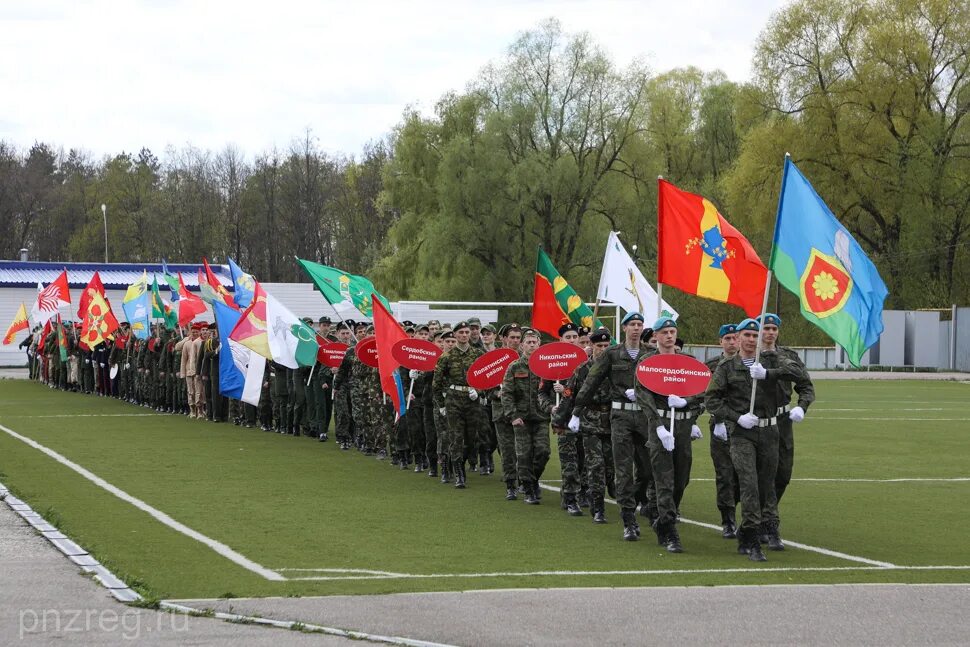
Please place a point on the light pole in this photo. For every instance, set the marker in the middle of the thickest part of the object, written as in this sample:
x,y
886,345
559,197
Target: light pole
x,y
104,214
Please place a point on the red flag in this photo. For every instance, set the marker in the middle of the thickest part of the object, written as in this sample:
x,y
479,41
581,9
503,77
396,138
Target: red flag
x,y
388,332
99,321
43,336
250,330
94,287
700,252
190,306
216,285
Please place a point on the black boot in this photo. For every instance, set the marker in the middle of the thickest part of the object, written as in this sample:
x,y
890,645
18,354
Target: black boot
x,y
629,529
673,538
572,506
420,464
491,462
483,463
598,508
583,498
445,468
744,540
729,529
460,475
395,460
531,493
763,533
510,493
774,537
433,471
755,553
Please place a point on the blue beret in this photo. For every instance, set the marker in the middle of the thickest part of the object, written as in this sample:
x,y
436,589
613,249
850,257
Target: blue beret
x,y
664,322
771,319
727,329
631,316
749,324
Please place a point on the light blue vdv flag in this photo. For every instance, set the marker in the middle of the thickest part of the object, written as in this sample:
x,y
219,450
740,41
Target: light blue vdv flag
x,y
815,257
138,312
243,285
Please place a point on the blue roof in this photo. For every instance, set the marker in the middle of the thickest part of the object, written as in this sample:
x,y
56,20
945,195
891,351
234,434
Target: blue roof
x,y
114,276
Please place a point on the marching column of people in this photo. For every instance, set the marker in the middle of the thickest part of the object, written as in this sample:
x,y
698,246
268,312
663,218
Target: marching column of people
x,y
614,436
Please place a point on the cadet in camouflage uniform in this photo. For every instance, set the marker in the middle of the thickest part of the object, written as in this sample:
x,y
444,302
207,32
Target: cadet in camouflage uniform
x,y
465,417
572,460
628,424
725,480
594,427
520,399
363,405
343,418
417,414
443,435
753,436
670,450
511,336
786,416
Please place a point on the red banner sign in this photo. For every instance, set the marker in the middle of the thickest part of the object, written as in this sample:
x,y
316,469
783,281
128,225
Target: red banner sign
x,y
680,375
417,354
557,361
366,350
487,371
332,354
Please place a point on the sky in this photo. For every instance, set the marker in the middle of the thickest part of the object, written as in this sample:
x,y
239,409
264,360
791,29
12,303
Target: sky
x,y
111,76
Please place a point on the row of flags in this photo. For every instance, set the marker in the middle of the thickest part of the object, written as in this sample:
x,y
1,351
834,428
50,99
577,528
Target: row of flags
x,y
699,252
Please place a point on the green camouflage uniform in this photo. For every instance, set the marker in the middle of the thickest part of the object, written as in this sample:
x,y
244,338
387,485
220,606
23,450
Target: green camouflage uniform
x,y
628,425
754,452
572,456
786,438
464,417
505,436
520,400
342,404
725,479
670,470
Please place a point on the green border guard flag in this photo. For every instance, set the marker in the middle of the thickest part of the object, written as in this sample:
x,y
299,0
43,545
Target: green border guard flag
x,y
337,285
817,258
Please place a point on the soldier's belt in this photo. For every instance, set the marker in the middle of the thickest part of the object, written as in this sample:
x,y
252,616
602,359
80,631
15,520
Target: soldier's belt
x,y
602,407
626,406
784,409
680,415
455,387
767,422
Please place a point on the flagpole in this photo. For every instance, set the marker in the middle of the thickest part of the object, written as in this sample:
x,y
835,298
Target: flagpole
x,y
660,287
764,303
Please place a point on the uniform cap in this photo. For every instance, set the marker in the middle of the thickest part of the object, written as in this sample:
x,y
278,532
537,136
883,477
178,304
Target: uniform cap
x,y
631,316
749,324
771,319
600,335
460,325
727,329
475,321
324,319
488,328
584,331
447,335
568,327
663,322
307,320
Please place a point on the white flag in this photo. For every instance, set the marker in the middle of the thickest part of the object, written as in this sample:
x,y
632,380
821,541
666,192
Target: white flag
x,y
622,283
253,366
291,342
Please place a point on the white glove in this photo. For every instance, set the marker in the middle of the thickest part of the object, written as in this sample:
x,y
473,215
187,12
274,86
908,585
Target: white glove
x,y
797,414
631,395
473,395
758,372
748,421
666,438
720,431
127,365
676,402
414,374
574,424
87,361
695,432
102,366
443,411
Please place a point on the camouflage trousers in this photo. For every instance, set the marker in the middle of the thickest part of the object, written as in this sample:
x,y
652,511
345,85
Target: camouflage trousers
x,y
441,430
343,418
725,479
430,431
506,447
599,462
786,455
466,422
671,470
754,453
572,462
416,426
630,455
531,450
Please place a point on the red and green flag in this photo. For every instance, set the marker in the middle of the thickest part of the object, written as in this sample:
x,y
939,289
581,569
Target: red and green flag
x,y
555,302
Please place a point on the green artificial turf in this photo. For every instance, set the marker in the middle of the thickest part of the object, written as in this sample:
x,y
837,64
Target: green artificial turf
x,y
293,503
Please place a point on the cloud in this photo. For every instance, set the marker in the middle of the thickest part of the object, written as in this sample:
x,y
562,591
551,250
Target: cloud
x,y
107,76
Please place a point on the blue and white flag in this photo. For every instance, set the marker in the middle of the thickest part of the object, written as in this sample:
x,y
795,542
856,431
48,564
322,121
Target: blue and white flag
x,y
240,369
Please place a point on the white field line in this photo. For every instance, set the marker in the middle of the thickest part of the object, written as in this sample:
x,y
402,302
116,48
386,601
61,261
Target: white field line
x,y
663,571
959,479
155,513
814,549
868,419
288,624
